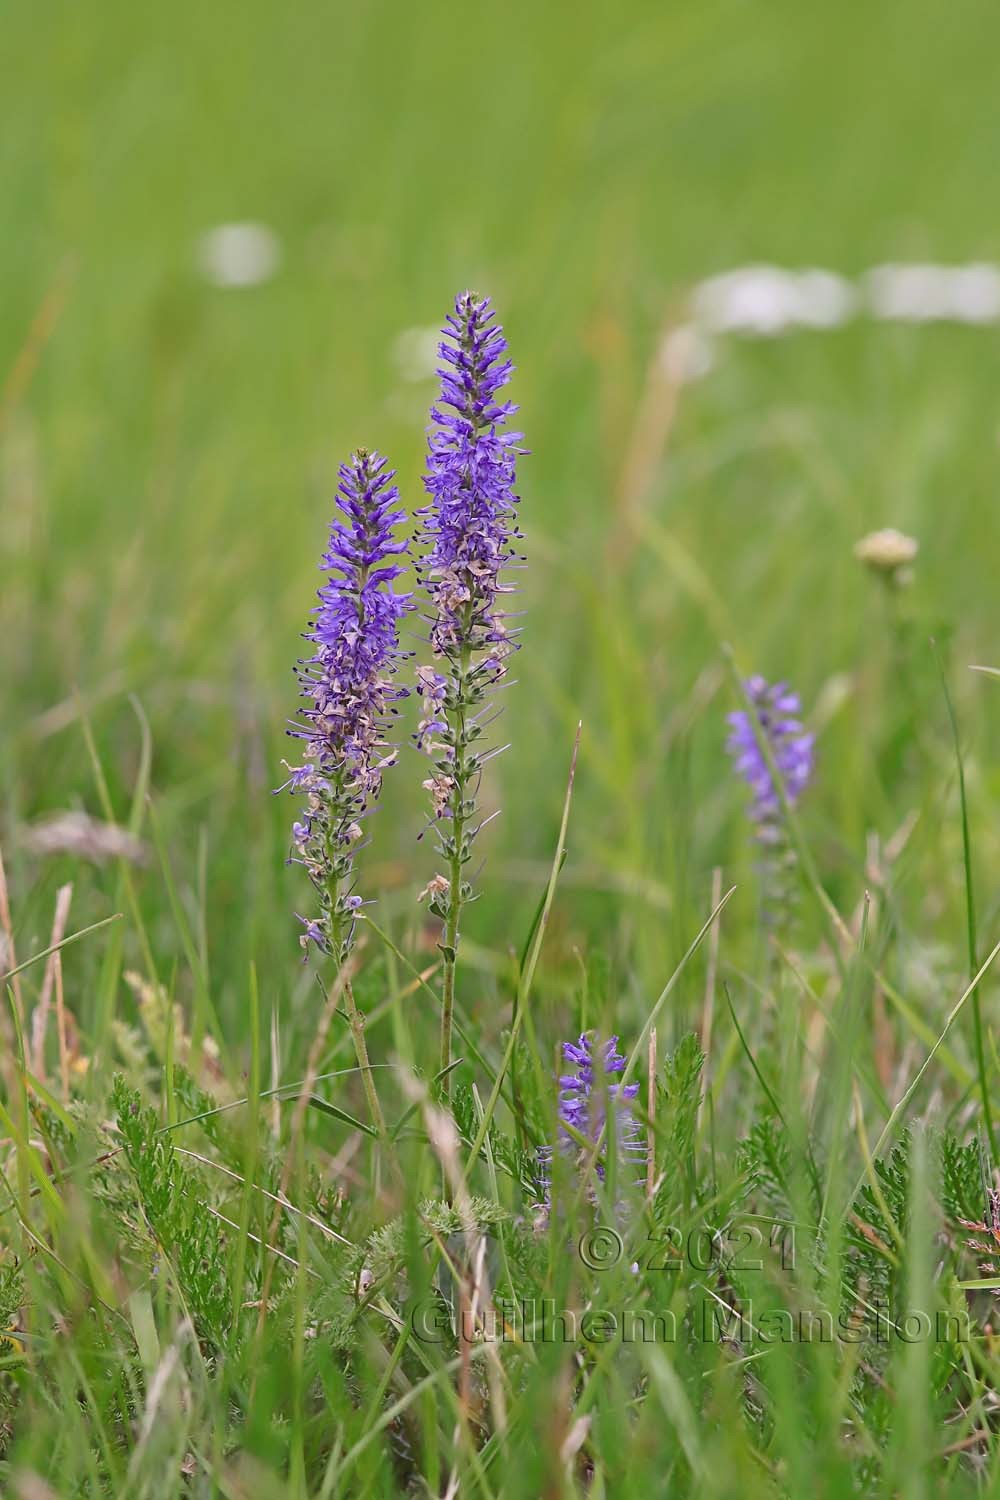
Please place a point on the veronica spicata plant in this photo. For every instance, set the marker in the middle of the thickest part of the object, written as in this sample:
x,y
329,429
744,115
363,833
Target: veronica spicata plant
x,y
350,694
776,723
585,1097
467,536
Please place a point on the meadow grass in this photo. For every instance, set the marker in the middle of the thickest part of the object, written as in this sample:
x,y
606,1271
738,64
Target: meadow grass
x,y
214,1277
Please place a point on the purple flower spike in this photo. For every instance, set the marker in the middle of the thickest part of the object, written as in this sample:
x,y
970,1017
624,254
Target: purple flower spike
x,y
471,521
777,710
584,1096
349,689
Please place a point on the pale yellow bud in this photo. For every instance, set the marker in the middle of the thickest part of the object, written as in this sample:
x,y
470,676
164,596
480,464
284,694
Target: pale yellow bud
x,y
888,551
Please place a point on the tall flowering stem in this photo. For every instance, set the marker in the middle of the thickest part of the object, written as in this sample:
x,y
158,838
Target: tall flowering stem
x,y
772,717
350,695
467,535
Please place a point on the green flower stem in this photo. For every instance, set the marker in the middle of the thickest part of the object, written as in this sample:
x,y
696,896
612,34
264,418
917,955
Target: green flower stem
x,y
449,946
357,1024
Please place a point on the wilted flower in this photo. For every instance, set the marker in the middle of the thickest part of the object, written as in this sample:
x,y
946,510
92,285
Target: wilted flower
x,y
433,688
776,709
889,552
349,687
585,1095
989,1226
435,889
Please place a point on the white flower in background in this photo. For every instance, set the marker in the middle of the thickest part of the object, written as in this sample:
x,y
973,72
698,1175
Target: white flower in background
x,y
686,354
239,254
415,353
753,300
975,294
908,294
825,300
767,300
930,293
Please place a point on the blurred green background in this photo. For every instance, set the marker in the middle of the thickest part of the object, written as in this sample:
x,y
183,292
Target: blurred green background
x,y
169,446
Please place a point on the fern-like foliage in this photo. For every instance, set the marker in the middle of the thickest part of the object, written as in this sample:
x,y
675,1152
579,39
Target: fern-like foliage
x,y
964,1178
187,1236
871,1267
764,1158
514,1161
679,1096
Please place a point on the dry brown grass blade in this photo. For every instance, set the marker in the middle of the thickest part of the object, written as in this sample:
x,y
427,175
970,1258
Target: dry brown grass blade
x,y
43,326
53,972
654,423
10,958
477,1297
